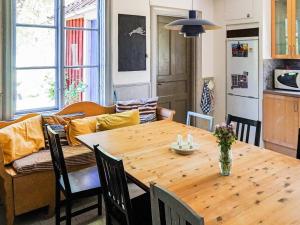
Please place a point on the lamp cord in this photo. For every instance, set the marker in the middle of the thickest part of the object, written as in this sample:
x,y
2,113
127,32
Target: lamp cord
x,y
192,4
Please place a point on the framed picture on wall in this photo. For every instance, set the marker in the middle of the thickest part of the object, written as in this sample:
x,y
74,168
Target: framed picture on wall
x,y
132,43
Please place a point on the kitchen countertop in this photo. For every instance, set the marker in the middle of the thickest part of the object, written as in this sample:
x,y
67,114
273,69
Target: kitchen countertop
x,y
282,92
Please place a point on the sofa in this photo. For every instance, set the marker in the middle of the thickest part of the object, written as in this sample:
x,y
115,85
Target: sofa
x,y
28,183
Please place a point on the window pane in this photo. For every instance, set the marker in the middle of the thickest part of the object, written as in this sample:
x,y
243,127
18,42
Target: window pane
x,y
81,85
35,89
281,27
81,13
35,47
81,48
40,12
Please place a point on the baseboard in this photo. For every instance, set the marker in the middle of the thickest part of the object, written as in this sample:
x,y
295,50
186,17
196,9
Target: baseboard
x,y
281,149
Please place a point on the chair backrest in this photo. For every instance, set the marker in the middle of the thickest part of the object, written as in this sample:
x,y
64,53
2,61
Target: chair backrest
x,y
87,108
114,186
245,125
58,160
168,209
298,147
210,119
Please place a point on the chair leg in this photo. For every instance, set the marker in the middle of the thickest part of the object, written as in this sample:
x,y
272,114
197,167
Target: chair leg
x,y
108,220
57,205
68,212
99,204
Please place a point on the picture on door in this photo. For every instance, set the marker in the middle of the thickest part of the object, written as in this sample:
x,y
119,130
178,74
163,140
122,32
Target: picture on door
x,y
240,50
239,80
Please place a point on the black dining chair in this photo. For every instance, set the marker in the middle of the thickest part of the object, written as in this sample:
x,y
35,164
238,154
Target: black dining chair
x,y
168,209
74,185
120,209
245,125
298,146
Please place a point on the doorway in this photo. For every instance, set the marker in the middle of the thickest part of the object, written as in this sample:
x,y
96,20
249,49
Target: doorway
x,y
174,70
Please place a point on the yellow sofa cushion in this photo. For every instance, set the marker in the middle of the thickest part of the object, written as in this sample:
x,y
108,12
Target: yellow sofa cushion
x,y
22,139
118,120
99,123
78,127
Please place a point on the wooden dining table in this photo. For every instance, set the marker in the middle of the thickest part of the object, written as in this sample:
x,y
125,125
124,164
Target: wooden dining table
x,y
264,187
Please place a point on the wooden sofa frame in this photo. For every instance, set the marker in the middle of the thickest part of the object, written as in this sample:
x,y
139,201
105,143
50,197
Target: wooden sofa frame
x,y
22,193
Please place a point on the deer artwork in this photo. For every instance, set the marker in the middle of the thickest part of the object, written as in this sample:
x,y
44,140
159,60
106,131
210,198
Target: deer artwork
x,y
139,31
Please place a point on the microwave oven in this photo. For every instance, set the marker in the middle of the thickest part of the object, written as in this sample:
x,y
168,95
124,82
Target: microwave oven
x,y
287,80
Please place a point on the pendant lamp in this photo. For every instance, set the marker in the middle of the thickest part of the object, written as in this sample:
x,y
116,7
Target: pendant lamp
x,y
191,27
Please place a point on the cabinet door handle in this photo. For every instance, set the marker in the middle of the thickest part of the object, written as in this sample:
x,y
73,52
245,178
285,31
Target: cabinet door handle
x,y
295,107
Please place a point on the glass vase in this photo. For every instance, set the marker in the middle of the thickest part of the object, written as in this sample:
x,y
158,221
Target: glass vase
x,y
225,161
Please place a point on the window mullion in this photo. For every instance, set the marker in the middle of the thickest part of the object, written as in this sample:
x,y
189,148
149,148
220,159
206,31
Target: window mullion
x,y
56,22
35,26
100,74
60,52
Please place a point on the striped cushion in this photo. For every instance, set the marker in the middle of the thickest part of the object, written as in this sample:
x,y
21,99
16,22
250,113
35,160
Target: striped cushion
x,y
146,107
41,161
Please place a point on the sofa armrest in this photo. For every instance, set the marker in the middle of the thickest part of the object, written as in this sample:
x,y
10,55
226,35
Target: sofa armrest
x,y
165,114
4,174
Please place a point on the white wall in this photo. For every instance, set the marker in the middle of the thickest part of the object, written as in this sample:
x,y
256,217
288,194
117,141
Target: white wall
x,y
142,7
219,52
134,7
1,35
266,26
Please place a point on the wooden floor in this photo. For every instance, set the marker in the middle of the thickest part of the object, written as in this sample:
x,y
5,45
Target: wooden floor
x,y
39,217
90,218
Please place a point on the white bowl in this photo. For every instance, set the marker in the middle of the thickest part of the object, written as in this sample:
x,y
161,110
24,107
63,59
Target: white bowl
x,y
185,149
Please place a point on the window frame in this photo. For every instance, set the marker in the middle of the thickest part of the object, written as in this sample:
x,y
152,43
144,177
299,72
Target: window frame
x,y
59,67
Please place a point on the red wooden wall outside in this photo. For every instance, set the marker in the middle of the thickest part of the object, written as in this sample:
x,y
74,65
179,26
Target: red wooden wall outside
x,y
74,37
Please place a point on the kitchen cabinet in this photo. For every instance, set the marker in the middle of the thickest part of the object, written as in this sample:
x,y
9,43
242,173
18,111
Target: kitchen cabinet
x,y
238,9
285,29
281,123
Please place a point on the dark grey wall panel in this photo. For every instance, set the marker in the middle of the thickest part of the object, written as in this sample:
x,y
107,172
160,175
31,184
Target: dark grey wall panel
x,y
132,43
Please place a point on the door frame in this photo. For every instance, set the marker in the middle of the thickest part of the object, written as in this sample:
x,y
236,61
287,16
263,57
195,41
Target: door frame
x,y
196,56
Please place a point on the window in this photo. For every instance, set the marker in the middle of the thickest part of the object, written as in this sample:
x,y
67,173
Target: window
x,y
58,54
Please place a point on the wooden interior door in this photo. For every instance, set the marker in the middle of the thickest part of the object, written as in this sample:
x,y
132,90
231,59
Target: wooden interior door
x,y
281,120
173,78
